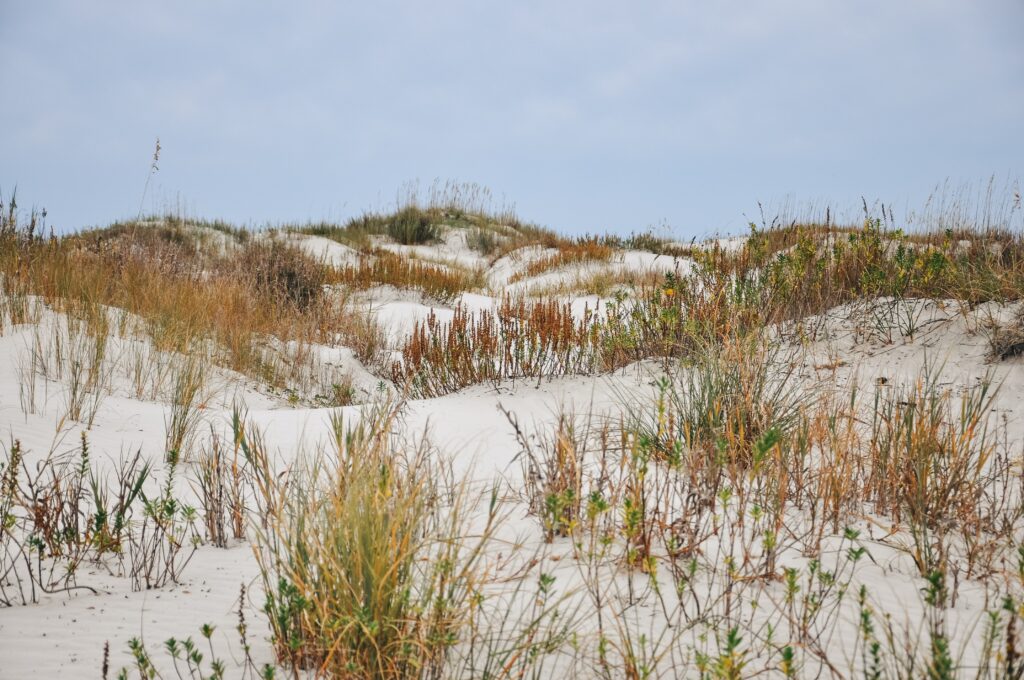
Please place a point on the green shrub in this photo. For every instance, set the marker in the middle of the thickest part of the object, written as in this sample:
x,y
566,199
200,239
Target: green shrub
x,y
412,226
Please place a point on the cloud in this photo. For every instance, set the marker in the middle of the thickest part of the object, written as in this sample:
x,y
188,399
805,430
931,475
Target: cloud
x,y
585,112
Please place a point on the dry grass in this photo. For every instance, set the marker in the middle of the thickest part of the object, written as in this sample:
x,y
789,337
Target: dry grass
x,y
520,339
186,298
381,267
589,249
603,283
1006,340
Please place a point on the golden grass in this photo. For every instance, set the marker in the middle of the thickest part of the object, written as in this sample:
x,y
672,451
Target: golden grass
x,y
589,249
381,267
603,283
185,296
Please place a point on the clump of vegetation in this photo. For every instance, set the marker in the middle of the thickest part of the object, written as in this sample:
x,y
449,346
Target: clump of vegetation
x,y
483,240
808,269
521,339
587,249
722,402
256,308
182,421
284,272
366,564
381,267
649,242
63,512
1006,340
553,474
931,462
412,226
418,220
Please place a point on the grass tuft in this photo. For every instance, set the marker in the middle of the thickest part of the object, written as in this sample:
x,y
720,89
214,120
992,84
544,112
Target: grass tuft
x,y
368,569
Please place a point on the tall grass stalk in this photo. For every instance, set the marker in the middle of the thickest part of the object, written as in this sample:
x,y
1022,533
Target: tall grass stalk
x,y
184,415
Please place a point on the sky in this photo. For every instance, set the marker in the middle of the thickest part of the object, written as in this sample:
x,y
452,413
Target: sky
x,y
588,117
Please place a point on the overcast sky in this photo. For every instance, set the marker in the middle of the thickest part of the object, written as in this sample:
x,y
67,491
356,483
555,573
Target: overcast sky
x,y
588,116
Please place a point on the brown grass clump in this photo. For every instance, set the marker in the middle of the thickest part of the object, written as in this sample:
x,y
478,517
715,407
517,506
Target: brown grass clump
x,y
930,460
282,271
520,339
589,249
602,283
1007,341
382,267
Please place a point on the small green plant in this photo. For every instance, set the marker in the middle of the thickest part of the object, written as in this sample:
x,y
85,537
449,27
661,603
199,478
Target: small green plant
x,y
553,475
190,659
166,539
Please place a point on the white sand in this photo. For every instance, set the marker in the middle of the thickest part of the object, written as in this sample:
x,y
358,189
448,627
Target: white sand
x,y
63,635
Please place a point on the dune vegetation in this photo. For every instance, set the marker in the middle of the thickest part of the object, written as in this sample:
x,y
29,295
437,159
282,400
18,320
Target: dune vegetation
x,y
439,442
